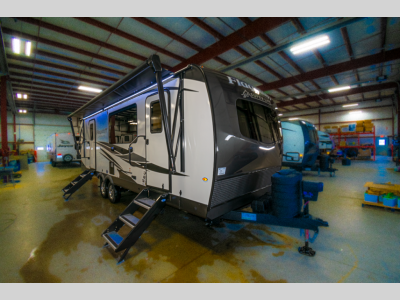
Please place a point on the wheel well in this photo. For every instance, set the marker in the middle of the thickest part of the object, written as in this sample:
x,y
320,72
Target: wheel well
x,y
107,179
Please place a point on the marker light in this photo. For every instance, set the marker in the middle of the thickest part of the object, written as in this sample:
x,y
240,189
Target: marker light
x,y
205,179
28,46
301,155
322,40
348,105
342,88
16,45
89,89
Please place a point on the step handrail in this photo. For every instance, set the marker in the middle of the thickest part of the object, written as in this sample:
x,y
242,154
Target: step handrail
x,y
130,148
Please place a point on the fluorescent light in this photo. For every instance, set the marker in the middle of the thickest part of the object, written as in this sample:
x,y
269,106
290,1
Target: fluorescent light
x,y
357,112
25,96
19,96
280,115
39,148
322,40
342,88
22,111
293,119
348,105
89,89
28,46
16,45
276,108
133,123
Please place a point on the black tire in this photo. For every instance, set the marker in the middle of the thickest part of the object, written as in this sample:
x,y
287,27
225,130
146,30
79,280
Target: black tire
x,y
68,158
103,188
114,193
53,163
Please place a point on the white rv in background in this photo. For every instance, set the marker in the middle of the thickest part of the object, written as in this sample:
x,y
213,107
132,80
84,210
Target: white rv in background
x,y
325,142
300,144
60,148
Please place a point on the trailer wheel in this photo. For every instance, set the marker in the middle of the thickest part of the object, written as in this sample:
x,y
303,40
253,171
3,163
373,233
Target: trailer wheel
x,y
53,163
114,193
103,188
67,158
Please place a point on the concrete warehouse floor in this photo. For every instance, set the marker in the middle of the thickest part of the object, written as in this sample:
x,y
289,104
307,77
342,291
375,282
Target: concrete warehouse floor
x,y
44,239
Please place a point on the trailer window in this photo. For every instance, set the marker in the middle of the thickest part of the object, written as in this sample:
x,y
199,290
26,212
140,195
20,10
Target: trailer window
x,y
313,134
155,117
91,132
122,125
257,122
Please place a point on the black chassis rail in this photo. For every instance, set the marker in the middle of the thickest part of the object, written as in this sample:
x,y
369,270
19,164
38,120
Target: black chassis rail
x,y
302,221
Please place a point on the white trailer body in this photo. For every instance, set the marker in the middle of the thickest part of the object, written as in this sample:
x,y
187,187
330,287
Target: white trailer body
x,y
60,148
325,142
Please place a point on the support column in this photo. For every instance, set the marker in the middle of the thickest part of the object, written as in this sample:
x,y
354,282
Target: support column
x,y
319,119
3,104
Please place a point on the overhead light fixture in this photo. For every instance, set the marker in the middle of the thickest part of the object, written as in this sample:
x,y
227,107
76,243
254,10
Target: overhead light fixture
x,y
342,88
89,89
19,96
22,111
276,108
25,96
348,105
280,115
357,112
322,40
290,119
16,45
28,46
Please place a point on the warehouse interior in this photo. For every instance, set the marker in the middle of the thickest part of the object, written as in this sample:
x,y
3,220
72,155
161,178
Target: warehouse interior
x,y
345,84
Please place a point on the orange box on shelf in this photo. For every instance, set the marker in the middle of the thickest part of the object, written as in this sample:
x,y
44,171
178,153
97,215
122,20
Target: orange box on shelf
x,y
359,129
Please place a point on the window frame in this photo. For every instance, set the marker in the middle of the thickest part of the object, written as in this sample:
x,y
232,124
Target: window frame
x,y
256,131
91,131
116,112
151,113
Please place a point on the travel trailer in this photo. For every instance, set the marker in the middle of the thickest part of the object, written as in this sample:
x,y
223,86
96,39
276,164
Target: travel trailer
x,y
326,144
300,144
61,148
198,140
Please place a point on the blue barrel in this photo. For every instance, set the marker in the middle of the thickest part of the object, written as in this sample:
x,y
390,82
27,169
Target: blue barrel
x,y
286,193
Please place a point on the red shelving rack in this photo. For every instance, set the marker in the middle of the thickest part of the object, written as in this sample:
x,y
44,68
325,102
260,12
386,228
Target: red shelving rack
x,y
359,135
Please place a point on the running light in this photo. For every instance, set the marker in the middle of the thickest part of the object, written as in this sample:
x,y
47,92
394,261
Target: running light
x,y
28,46
290,119
16,45
263,148
89,89
348,105
322,40
342,88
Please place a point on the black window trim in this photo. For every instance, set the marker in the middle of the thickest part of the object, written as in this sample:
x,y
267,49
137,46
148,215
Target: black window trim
x,y
152,131
274,137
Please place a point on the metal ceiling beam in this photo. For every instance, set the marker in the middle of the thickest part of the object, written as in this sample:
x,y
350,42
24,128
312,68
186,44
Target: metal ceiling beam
x,y
168,33
327,28
37,84
56,97
82,37
31,89
240,36
4,71
66,47
335,69
358,90
47,102
61,67
29,69
78,102
129,37
44,78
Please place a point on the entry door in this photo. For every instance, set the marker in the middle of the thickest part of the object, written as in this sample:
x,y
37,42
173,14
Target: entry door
x,y
92,144
156,148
